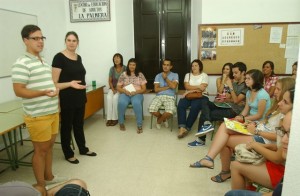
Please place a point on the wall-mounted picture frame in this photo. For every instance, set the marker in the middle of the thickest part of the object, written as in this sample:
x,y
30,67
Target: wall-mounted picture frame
x,y
89,10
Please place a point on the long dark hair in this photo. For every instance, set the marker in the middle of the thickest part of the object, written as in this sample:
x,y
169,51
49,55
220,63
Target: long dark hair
x,y
292,94
230,68
121,57
271,65
136,71
72,33
257,77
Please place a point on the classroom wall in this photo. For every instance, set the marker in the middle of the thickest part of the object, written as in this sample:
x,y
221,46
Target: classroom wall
x,y
100,40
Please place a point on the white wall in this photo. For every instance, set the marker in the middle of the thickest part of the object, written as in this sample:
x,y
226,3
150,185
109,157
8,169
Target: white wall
x,y
51,19
100,40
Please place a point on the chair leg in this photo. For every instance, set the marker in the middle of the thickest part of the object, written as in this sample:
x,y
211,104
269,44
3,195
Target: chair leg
x,y
171,122
151,121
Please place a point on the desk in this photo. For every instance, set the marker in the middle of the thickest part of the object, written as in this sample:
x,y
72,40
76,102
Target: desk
x,y
10,106
95,100
8,123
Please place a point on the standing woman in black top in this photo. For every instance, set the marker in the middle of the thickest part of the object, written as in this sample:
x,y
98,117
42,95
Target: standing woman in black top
x,y
68,74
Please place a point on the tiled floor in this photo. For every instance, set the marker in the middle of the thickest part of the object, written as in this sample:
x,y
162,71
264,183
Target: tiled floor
x,y
154,163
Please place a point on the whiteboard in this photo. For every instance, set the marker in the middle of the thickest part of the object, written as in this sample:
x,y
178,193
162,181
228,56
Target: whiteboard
x,y
11,43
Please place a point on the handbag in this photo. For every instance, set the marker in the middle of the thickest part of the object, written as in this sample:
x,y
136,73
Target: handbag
x,y
243,155
193,95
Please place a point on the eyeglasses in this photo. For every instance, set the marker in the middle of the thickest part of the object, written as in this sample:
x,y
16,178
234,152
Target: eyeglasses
x,y
281,132
37,38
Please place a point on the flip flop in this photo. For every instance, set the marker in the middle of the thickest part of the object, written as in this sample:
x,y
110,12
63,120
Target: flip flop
x,y
198,164
219,179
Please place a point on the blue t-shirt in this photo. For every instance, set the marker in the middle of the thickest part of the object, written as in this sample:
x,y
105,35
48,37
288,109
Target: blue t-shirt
x,y
162,83
261,95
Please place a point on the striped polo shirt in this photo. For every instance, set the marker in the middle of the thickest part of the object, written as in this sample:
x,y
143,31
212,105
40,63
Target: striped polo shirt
x,y
37,75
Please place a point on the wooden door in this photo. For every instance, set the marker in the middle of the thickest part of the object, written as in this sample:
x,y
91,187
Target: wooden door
x,y
162,30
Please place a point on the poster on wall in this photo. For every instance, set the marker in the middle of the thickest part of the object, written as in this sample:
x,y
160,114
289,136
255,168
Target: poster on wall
x,y
231,37
208,37
89,10
208,55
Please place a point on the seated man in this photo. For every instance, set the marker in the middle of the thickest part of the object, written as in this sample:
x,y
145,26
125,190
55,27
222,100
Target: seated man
x,y
71,187
210,112
165,84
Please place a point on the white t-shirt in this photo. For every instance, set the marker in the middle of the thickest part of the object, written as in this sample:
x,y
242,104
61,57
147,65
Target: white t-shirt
x,y
196,80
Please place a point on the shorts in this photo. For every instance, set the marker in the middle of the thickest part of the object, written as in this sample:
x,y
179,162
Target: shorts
x,y
276,172
72,190
258,139
41,128
163,100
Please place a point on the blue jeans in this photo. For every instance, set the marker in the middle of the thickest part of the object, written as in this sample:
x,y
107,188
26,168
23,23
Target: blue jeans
x,y
187,122
242,193
137,103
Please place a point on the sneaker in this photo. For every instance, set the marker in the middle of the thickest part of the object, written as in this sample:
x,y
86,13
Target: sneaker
x,y
56,179
196,143
158,126
166,123
205,129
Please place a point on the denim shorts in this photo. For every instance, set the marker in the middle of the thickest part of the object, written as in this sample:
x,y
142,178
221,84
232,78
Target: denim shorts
x,y
258,138
72,190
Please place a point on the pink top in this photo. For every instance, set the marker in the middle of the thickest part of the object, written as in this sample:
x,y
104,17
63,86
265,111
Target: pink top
x,y
269,82
137,81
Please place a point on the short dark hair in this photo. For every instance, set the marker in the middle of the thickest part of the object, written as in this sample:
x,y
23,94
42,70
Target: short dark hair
x,y
136,71
258,79
230,68
118,55
242,66
199,63
72,33
271,65
29,29
167,59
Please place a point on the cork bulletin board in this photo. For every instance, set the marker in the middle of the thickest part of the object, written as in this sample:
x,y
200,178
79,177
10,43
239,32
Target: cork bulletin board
x,y
249,43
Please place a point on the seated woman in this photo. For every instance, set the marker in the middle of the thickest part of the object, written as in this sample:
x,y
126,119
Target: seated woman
x,y
112,94
257,104
236,99
269,77
262,173
222,87
194,81
269,173
131,86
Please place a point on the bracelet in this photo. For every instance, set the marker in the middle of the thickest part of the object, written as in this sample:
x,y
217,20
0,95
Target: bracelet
x,y
256,131
243,117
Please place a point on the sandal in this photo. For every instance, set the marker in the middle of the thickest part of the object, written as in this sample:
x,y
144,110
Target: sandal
x,y
122,127
108,123
139,130
198,164
114,123
218,178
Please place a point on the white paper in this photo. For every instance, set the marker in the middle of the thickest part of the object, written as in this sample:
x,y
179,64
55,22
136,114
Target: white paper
x,y
231,37
275,34
293,30
292,47
130,88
